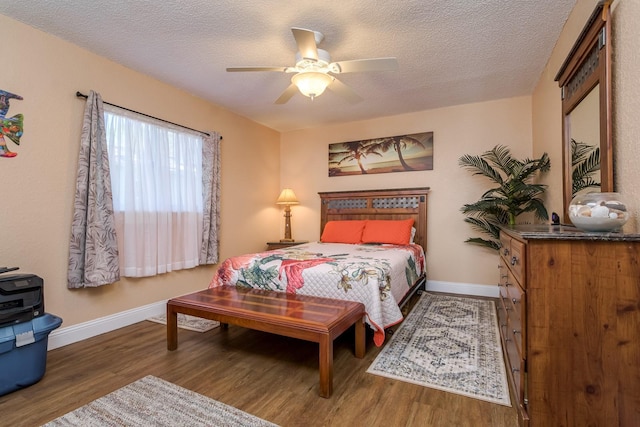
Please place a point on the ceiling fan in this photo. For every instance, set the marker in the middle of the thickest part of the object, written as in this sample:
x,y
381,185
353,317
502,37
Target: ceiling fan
x,y
314,69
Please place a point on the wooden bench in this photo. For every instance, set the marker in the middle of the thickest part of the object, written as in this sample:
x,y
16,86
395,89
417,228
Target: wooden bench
x,y
304,317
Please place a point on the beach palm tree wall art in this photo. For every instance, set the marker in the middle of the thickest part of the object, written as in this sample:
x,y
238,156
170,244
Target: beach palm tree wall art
x,y
401,153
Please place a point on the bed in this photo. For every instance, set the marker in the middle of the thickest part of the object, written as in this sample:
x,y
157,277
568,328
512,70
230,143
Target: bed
x,y
372,250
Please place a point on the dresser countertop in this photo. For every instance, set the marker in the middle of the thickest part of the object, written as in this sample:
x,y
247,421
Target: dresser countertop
x,y
566,232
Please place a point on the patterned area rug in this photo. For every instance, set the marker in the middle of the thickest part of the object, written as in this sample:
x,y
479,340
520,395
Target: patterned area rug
x,y
451,344
151,401
191,323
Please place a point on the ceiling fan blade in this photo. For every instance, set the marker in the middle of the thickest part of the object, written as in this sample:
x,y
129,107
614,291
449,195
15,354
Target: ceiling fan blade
x,y
306,40
344,91
234,69
359,65
287,94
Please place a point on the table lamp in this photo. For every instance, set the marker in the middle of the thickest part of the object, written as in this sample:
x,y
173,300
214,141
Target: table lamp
x,y
287,198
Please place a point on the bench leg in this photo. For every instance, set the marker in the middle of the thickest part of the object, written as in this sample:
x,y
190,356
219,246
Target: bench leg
x,y
326,366
172,328
361,342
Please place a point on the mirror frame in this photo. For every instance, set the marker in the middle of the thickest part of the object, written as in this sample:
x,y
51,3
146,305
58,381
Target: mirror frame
x,y
587,66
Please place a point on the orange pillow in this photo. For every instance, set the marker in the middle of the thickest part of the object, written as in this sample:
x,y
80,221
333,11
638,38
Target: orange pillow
x,y
397,232
343,231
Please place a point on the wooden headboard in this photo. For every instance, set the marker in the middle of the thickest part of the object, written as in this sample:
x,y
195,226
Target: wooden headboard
x,y
401,203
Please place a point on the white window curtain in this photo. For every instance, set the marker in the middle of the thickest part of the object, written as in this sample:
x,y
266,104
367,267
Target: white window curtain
x,y
157,185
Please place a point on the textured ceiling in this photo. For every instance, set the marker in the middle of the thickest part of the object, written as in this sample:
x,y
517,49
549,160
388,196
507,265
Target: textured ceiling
x,y
449,52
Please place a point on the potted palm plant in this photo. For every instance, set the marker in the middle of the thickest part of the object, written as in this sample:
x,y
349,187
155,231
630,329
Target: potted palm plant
x,y
513,195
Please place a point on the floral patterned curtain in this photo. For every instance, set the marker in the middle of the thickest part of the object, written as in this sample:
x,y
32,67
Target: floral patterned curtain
x,y
93,249
211,191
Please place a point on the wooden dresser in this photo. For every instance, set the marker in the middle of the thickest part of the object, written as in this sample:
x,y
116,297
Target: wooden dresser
x,y
569,316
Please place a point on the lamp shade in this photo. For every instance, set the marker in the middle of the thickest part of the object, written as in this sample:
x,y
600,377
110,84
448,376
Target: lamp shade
x,y
312,83
287,197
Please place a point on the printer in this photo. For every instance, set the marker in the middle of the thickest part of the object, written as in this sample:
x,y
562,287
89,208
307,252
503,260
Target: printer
x,y
21,298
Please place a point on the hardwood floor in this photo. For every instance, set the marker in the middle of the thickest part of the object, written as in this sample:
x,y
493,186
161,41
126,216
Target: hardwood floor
x,y
272,377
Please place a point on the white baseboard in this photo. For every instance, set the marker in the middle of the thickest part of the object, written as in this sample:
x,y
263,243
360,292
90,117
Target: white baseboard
x,y
490,291
82,331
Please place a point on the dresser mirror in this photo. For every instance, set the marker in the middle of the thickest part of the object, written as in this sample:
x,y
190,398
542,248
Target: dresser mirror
x,y
585,82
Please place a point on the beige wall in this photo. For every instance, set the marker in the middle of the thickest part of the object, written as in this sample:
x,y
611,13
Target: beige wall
x,y
38,184
459,130
626,104
35,207
547,116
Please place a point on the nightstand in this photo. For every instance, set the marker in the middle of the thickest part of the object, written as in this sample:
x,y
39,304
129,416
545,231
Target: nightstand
x,y
281,245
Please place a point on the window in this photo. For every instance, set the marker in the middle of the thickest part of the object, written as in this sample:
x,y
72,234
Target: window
x,y
157,186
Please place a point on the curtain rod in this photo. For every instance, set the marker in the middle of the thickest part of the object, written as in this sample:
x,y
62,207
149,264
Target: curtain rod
x,y
81,95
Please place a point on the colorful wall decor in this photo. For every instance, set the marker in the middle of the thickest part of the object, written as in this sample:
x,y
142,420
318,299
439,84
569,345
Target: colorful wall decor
x,y
402,153
10,127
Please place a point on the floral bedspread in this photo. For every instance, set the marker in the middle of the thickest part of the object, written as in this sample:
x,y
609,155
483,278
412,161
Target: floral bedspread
x,y
376,275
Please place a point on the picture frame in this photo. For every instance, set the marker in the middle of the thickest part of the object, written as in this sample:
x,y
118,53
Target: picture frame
x,y
400,153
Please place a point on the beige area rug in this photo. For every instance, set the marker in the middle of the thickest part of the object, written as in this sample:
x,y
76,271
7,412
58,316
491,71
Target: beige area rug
x,y
451,344
191,323
151,401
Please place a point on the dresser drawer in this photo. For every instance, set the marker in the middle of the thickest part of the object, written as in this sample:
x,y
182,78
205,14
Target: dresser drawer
x,y
516,297
505,247
517,260
512,252
503,300
515,367
503,269
503,318
515,327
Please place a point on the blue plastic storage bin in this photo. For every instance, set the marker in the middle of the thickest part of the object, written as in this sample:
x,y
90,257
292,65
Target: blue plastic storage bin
x,y
23,352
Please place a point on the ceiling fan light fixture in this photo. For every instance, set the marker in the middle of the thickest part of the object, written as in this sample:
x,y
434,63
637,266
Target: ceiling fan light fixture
x,y
312,83
313,71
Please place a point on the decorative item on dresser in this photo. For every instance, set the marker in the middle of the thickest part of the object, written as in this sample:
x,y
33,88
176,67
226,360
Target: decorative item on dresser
x,y
598,211
569,312
282,245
